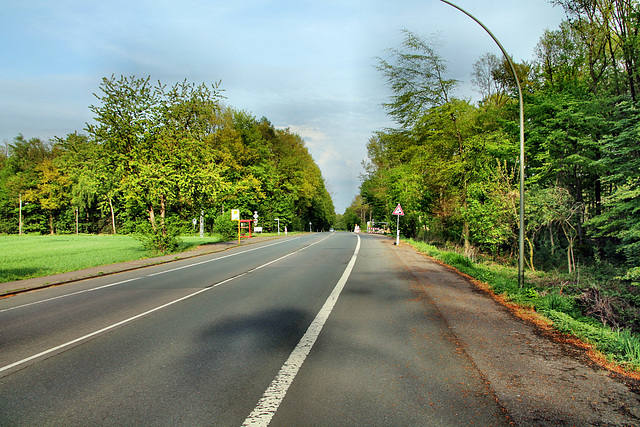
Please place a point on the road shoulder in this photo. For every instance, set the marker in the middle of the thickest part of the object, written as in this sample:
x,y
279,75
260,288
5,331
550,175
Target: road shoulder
x,y
537,380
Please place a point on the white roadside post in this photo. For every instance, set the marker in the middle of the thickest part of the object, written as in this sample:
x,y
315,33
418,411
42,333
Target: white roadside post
x,y
398,212
201,222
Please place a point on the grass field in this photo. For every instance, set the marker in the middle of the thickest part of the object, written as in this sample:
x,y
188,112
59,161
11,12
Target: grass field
x,y
24,257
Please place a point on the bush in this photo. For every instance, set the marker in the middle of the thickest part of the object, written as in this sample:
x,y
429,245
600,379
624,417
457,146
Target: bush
x,y
227,228
155,242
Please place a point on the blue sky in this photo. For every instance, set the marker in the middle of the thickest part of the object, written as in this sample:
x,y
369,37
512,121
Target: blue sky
x,y
306,65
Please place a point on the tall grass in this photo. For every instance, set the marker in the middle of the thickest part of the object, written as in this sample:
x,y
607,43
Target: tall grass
x,y
34,256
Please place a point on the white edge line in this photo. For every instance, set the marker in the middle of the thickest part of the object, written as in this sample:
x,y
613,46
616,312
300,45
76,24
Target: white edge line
x,y
273,396
68,295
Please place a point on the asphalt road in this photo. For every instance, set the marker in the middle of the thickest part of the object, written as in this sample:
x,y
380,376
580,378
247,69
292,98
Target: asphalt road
x,y
320,329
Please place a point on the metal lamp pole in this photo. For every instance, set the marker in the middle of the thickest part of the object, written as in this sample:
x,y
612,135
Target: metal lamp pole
x,y
515,76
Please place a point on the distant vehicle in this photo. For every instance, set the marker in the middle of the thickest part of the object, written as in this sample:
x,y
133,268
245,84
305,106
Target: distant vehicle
x,y
331,230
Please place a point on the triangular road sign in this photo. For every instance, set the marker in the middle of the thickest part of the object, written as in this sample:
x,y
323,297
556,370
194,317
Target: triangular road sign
x,y
398,210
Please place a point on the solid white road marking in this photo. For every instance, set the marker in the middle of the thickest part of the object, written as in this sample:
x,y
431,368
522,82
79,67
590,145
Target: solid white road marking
x,y
273,396
131,319
68,295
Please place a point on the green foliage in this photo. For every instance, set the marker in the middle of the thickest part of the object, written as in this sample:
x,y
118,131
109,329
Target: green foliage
x,y
156,152
158,241
621,346
451,164
558,302
416,78
227,228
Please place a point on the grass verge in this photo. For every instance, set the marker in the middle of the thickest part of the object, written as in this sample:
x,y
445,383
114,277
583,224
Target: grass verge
x,y
621,347
25,257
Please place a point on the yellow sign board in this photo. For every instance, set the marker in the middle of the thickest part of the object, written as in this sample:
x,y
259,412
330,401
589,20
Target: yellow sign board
x,y
235,214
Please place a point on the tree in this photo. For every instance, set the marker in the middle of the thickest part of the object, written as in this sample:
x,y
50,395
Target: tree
x,y
416,78
560,58
23,169
608,35
51,191
153,139
125,121
620,218
482,76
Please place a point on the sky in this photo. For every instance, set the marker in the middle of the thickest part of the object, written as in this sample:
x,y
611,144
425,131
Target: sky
x,y
304,65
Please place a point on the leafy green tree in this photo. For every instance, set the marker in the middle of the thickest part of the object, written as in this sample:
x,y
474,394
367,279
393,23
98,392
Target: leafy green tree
x,y
23,173
565,145
153,139
620,218
350,219
560,58
607,34
51,191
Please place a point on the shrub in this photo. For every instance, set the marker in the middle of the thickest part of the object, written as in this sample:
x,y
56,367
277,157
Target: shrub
x,y
155,241
224,226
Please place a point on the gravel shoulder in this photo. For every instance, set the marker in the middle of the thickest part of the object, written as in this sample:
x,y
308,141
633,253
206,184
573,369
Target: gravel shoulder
x,y
538,380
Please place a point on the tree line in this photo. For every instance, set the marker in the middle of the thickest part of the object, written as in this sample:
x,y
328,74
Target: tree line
x,y
453,163
159,160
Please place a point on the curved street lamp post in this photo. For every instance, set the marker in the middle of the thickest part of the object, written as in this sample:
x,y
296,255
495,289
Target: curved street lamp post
x,y
515,76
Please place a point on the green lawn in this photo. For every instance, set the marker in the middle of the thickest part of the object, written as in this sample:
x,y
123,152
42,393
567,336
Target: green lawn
x,y
34,256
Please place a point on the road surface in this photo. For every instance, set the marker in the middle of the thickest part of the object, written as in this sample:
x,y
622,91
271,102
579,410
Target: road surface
x,y
320,329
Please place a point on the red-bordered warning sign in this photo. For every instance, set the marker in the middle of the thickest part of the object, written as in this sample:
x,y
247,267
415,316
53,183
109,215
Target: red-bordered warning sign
x,y
398,210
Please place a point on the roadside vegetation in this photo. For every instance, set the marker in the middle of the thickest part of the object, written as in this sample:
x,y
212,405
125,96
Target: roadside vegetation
x,y
159,162
453,166
556,297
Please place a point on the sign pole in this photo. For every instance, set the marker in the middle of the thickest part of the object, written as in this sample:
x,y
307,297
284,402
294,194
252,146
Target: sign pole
x,y
235,216
398,212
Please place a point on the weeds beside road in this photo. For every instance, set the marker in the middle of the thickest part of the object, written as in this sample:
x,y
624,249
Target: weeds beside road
x,y
620,346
